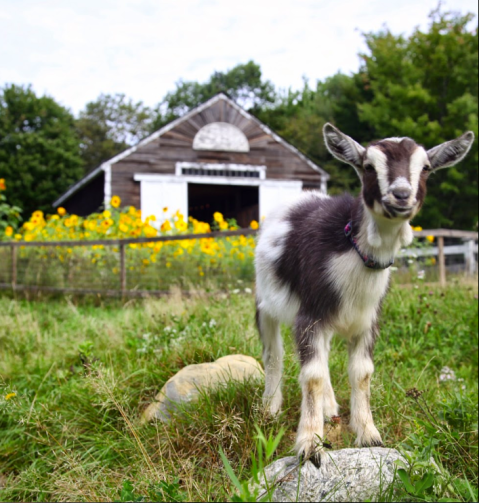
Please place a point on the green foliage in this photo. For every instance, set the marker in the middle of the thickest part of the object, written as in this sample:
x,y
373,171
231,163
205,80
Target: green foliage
x,y
110,124
300,116
243,84
425,86
265,449
39,150
9,215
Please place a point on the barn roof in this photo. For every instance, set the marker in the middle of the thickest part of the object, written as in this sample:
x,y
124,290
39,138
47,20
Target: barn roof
x,y
157,134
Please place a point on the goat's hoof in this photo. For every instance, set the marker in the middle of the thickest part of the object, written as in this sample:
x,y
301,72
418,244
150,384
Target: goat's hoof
x,y
272,405
373,443
315,458
369,437
310,450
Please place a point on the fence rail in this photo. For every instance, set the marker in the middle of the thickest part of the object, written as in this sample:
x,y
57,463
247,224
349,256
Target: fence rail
x,y
469,249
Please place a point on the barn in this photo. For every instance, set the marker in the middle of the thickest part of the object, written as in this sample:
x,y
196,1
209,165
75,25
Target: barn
x,y
217,157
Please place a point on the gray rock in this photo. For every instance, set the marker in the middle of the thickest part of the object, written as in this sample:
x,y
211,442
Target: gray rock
x,y
186,385
345,475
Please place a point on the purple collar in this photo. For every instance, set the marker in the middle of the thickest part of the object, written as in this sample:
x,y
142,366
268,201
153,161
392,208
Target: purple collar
x,y
368,262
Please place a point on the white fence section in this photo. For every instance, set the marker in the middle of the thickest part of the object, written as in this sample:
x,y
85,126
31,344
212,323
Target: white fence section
x,y
469,249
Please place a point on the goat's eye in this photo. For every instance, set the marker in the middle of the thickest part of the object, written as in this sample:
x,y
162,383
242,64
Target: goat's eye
x,y
369,167
426,168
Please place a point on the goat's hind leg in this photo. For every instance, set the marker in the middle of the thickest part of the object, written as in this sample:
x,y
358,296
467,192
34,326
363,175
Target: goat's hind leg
x,y
269,330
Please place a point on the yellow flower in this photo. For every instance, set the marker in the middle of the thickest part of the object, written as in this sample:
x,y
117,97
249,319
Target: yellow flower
x,y
166,226
9,231
107,214
150,232
2,184
218,217
115,202
430,239
9,396
181,225
124,228
224,225
165,209
254,224
18,237
61,211
417,229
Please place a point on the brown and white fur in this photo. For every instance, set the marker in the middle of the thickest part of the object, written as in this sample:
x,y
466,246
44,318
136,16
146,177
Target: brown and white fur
x,y
308,275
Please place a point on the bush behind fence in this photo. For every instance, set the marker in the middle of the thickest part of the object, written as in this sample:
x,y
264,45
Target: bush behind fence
x,y
211,261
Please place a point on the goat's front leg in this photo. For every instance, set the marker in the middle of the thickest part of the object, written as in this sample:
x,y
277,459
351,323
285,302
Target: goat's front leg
x,y
361,368
313,348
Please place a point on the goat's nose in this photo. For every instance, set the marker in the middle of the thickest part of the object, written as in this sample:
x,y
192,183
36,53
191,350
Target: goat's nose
x,y
402,193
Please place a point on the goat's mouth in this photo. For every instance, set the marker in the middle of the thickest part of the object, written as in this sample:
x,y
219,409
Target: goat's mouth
x,y
398,211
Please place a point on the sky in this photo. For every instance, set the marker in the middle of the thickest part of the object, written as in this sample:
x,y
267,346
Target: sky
x,y
73,50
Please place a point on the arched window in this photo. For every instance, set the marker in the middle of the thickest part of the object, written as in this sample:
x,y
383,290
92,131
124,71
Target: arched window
x,y
221,136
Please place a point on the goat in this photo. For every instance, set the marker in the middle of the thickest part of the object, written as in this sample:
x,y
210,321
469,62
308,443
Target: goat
x,y
322,265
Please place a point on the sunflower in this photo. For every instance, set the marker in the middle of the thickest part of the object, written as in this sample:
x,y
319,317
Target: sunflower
x,y
115,201
61,211
254,224
218,217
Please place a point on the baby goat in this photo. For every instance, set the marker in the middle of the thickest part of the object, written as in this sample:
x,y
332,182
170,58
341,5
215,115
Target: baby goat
x,y
322,266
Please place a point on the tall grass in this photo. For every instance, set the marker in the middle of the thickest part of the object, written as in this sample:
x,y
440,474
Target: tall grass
x,y
82,371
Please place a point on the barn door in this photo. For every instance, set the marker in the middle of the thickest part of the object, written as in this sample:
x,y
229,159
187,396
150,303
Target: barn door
x,y
163,198
272,194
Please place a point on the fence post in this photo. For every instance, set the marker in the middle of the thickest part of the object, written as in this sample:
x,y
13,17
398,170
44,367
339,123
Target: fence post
x,y
470,259
442,261
122,270
14,267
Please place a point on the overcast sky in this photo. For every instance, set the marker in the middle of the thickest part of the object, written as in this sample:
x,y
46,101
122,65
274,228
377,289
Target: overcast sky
x,y
75,50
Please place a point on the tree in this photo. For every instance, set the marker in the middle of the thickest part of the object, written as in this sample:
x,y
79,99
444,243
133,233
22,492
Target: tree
x,y
243,84
39,150
109,125
425,87
300,116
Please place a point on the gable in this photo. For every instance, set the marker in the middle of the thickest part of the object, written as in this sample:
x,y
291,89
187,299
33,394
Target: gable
x,y
173,143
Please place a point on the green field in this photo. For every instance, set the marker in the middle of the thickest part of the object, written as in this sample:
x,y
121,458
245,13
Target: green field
x,y
82,371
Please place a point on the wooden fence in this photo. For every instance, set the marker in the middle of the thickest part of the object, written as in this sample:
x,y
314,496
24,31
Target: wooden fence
x,y
468,249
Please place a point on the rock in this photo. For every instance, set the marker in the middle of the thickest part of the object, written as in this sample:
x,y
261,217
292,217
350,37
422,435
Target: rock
x,y
185,386
345,475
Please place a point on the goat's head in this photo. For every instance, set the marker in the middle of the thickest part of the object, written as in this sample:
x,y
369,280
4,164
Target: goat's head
x,y
394,171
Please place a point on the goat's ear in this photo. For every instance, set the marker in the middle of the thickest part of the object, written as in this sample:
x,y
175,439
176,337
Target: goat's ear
x,y
451,152
343,147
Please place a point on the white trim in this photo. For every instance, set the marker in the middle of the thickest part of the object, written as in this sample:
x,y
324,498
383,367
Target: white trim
x,y
107,185
324,186
225,166
217,180
175,123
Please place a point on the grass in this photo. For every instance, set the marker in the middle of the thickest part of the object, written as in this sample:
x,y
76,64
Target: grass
x,y
83,371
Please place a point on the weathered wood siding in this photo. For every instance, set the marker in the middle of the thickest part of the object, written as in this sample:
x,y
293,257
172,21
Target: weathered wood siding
x,y
161,155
